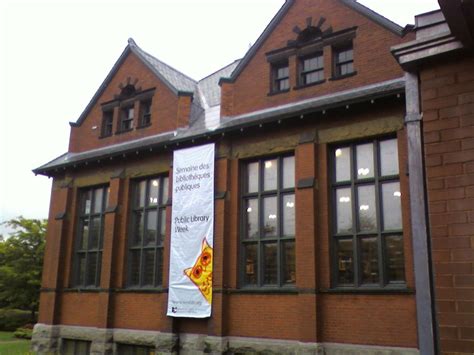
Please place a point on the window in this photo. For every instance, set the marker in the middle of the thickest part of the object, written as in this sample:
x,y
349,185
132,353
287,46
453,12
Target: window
x,y
75,347
145,113
148,232
280,77
107,123
367,239
343,61
88,255
126,122
135,350
312,69
268,222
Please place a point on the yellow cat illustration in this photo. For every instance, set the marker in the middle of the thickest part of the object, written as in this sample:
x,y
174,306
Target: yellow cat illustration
x,y
201,273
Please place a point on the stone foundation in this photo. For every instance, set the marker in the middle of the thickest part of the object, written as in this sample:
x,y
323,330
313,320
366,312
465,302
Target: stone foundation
x,y
47,339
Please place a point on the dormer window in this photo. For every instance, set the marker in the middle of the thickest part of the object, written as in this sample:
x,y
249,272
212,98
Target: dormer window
x,y
312,69
343,61
280,77
107,123
126,121
145,113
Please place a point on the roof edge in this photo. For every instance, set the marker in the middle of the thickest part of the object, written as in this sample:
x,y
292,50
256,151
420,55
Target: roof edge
x,y
137,51
102,87
234,123
261,39
376,17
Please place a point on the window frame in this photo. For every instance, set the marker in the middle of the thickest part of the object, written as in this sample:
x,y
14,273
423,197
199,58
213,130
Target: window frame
x,y
81,217
303,73
355,235
337,65
126,122
107,127
261,240
145,113
277,80
158,246
134,349
75,343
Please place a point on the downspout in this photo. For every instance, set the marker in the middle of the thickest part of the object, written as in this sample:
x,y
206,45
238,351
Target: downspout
x,y
425,307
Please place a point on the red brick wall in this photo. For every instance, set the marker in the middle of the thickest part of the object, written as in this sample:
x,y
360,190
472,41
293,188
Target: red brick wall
x,y
372,59
140,311
447,89
364,319
167,109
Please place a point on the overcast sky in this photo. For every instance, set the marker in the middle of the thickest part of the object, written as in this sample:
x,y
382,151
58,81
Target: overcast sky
x,y
55,54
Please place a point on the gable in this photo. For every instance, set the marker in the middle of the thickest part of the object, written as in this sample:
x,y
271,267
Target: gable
x,y
131,85
283,40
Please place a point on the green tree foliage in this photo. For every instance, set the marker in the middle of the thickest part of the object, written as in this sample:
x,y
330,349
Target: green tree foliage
x,y
21,263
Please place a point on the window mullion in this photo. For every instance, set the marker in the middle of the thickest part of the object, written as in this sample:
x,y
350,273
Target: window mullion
x,y
378,203
355,219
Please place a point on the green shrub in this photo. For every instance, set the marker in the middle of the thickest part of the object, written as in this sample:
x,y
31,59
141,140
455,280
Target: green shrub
x,y
23,333
11,319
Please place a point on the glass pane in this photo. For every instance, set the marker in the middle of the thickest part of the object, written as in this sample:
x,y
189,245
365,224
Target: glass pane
x,y
289,273
270,175
288,172
107,194
151,225
365,161
81,268
252,177
345,263
314,77
67,347
395,259
251,266
149,267
370,261
142,350
251,212
164,199
389,157
153,195
162,225
134,267
84,235
91,268
270,218
343,164
284,84
82,347
87,202
282,72
98,197
159,266
344,210
141,191
94,233
366,208
289,215
138,228
392,211
270,263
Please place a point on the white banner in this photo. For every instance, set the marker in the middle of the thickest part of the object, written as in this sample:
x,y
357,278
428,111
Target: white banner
x,y
192,233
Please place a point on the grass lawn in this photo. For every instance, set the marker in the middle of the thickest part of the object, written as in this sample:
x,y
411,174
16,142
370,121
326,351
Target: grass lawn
x,y
9,345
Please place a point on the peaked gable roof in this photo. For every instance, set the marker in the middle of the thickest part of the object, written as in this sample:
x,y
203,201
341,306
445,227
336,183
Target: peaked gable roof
x,y
177,82
353,4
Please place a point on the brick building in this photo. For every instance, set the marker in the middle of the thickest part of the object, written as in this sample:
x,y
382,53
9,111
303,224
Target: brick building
x,y
322,238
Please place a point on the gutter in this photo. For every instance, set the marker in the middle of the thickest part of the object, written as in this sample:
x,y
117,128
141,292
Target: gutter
x,y
425,306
